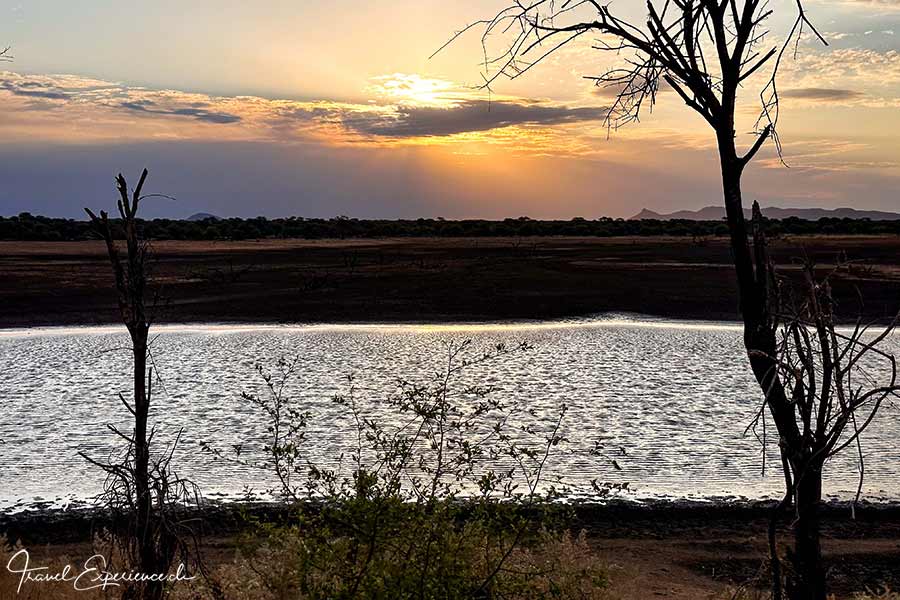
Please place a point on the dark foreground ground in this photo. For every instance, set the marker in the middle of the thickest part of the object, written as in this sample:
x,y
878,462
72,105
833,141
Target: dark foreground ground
x,y
472,279
674,550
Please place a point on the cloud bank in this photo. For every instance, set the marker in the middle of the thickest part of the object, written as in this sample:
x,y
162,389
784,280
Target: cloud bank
x,y
409,108
466,116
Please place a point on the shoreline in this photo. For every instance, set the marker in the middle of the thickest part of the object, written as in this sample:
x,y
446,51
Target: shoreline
x,y
394,321
587,320
623,517
610,319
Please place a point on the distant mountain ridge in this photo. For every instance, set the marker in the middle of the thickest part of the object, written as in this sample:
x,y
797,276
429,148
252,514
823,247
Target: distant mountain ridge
x,y
202,216
717,213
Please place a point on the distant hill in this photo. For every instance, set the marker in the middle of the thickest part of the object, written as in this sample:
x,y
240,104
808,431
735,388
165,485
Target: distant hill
x,y
717,213
201,216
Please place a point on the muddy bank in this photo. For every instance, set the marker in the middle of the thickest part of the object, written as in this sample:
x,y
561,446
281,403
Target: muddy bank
x,y
395,280
614,519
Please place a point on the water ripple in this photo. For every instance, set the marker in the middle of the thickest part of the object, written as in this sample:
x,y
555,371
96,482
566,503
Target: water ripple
x,y
669,399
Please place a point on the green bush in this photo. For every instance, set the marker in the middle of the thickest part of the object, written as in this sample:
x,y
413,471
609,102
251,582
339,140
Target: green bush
x,y
418,512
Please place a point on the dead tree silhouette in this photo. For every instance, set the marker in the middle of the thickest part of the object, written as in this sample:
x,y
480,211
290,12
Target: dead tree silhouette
x,y
705,50
141,492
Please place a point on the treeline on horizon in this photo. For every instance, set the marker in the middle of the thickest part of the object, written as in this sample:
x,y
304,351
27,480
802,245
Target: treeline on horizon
x,y
27,227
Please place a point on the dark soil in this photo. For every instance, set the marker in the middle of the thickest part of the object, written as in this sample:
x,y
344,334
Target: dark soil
x,y
466,279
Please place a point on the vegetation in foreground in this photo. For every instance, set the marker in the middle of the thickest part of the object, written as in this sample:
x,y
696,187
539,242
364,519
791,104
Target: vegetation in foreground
x,y
412,510
459,563
634,568
302,562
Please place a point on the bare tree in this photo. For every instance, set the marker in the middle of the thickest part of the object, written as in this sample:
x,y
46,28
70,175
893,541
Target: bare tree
x,y
706,51
143,488
837,380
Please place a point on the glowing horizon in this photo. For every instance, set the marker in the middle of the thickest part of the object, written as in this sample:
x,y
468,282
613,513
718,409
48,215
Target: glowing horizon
x,y
361,122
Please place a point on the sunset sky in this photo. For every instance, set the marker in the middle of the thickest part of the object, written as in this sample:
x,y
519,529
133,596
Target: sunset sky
x,y
292,107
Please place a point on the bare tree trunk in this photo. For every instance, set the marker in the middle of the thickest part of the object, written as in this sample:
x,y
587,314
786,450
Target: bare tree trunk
x,y
755,279
147,553
753,290
808,582
144,534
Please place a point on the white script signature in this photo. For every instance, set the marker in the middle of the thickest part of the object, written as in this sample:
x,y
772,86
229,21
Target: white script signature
x,y
94,576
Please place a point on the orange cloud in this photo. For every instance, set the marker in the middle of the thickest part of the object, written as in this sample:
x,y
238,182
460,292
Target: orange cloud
x,y
407,109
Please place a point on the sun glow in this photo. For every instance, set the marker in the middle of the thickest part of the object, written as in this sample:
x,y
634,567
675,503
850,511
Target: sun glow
x,y
415,90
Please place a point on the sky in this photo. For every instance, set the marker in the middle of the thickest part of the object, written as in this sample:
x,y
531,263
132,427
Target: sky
x,y
320,109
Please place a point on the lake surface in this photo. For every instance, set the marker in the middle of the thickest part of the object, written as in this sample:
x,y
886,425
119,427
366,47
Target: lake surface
x,y
668,401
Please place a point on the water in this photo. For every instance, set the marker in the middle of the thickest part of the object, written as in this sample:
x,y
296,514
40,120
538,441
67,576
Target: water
x,y
668,402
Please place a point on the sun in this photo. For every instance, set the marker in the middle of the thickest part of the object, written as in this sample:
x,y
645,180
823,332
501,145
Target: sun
x,y
415,90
